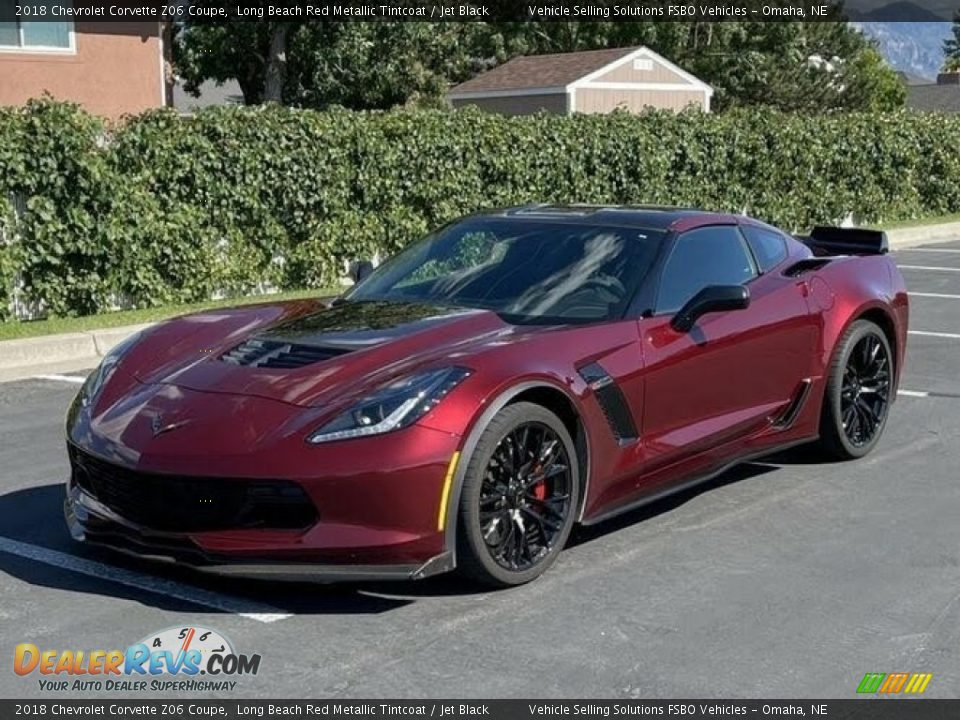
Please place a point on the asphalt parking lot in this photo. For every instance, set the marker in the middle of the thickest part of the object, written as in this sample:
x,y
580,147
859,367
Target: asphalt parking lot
x,y
783,578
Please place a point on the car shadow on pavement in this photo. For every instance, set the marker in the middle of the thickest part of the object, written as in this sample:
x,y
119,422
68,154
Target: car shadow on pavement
x,y
809,454
584,534
36,548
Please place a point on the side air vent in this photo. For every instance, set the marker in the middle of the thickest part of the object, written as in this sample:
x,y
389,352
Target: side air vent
x,y
805,266
276,354
612,402
790,413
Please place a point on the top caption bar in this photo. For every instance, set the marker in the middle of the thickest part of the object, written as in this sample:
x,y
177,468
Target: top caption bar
x,y
503,10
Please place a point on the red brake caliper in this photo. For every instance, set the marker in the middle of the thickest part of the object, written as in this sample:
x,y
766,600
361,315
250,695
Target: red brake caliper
x,y
540,489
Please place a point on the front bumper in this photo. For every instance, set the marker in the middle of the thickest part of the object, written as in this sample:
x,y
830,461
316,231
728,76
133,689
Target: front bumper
x,y
236,489
91,522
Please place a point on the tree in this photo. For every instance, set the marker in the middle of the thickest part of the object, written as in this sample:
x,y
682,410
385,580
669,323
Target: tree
x,y
811,66
376,65
355,64
801,66
951,47
275,73
252,53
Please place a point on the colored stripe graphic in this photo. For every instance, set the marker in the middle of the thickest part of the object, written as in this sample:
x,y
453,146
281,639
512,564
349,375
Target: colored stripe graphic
x,y
871,683
913,683
918,683
893,683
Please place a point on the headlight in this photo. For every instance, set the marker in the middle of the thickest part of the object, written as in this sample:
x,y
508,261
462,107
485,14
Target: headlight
x,y
394,406
98,378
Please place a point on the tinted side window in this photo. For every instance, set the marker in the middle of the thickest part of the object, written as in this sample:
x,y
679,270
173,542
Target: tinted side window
x,y
706,256
769,248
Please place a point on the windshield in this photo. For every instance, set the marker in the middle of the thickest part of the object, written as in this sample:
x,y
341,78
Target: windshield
x,y
525,270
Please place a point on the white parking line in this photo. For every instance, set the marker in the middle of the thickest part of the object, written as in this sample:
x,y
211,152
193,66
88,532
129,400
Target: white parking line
x,y
913,393
935,295
928,267
62,378
926,333
931,250
148,583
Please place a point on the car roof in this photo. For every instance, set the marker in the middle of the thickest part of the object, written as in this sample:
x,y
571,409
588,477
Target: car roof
x,y
648,217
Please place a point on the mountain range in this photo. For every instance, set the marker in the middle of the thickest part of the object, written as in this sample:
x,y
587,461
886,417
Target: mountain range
x,y
909,36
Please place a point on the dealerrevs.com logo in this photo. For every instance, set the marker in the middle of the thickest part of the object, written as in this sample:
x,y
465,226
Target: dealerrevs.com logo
x,y
178,659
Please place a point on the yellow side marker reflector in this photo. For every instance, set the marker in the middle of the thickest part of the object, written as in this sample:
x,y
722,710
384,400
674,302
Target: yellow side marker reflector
x,y
445,495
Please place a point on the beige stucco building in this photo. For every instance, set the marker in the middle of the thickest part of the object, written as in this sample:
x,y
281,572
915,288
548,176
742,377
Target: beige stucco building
x,y
110,68
595,81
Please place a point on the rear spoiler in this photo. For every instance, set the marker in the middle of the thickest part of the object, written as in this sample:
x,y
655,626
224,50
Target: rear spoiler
x,y
824,240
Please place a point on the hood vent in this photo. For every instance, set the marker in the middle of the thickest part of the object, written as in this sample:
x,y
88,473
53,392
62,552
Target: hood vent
x,y
276,354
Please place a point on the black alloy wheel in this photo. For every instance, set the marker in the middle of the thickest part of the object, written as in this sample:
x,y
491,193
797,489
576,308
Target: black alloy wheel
x,y
525,496
865,390
858,392
519,497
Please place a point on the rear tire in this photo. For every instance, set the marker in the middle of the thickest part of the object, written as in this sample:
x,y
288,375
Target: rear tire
x,y
858,392
520,493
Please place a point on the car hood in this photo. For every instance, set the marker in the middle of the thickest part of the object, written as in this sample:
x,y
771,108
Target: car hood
x,y
334,352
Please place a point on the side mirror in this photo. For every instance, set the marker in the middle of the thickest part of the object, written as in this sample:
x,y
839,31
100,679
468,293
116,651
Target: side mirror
x,y
714,298
360,269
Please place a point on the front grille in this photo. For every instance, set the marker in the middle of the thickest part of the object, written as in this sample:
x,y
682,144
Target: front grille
x,y
276,354
173,503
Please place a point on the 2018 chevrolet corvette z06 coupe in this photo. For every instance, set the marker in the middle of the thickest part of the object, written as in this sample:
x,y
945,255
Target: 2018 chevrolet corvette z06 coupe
x,y
471,399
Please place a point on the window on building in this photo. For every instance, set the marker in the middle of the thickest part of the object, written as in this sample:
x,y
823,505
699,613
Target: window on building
x,y
27,33
643,64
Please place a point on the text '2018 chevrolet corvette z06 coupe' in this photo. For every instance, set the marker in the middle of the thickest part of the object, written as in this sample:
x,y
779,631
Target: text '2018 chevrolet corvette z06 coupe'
x,y
471,399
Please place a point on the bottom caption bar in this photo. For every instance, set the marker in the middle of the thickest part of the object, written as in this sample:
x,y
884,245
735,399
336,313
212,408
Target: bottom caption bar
x,y
905,709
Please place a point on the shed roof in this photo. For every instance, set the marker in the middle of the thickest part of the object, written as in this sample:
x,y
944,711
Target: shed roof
x,y
541,71
937,98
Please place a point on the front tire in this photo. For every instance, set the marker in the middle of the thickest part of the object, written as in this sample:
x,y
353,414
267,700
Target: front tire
x,y
858,392
519,499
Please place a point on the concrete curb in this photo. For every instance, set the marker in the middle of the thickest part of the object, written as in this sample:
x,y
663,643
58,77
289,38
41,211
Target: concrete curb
x,y
59,353
902,238
79,351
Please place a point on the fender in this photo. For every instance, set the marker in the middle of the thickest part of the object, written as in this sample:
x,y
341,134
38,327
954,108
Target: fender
x,y
872,286
470,444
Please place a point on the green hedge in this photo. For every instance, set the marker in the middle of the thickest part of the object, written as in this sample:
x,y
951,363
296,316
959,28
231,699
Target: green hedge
x,y
163,209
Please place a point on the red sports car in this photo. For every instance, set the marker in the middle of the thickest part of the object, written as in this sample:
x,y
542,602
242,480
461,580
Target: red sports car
x,y
471,399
